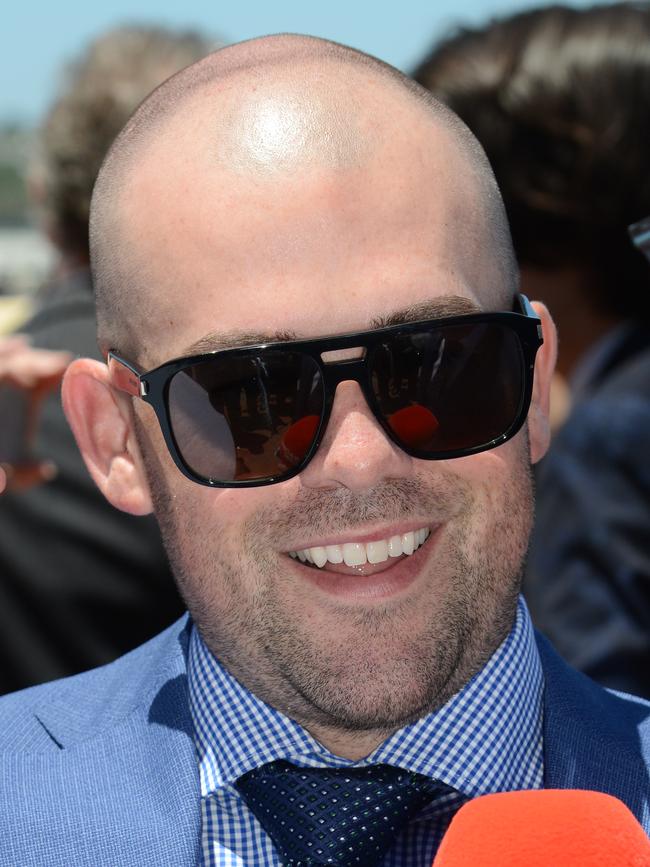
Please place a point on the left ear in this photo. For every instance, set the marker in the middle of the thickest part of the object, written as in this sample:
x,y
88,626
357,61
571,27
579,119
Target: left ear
x,y
539,430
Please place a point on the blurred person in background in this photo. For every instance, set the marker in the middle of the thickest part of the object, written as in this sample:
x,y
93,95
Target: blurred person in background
x,y
559,98
81,582
27,375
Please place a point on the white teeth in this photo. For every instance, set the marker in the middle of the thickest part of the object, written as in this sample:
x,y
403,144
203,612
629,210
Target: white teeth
x,y
334,553
359,553
318,556
354,554
408,542
377,552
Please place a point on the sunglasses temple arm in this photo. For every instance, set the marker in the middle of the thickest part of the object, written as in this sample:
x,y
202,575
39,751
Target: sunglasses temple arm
x,y
523,305
123,376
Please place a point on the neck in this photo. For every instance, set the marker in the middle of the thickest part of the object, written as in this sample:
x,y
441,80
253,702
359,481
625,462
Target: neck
x,y
352,745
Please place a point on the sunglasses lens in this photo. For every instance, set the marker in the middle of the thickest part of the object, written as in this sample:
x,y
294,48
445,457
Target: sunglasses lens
x,y
246,417
449,389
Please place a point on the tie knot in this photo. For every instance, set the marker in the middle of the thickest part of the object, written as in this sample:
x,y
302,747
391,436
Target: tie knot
x,y
338,816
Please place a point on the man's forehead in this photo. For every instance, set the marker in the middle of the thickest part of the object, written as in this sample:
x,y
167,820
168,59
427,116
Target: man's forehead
x,y
251,147
293,187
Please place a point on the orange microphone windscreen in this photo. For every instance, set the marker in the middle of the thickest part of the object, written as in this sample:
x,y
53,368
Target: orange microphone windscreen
x,y
544,828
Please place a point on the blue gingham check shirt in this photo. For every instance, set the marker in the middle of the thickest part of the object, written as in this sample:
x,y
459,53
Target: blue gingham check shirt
x,y
487,738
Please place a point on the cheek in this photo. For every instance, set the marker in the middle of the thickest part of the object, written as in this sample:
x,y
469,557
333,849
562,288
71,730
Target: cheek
x,y
506,460
153,449
501,514
234,510
220,527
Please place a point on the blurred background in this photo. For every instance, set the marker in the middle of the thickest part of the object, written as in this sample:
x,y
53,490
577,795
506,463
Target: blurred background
x,y
40,38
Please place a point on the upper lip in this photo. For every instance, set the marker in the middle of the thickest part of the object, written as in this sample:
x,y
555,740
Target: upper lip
x,y
364,535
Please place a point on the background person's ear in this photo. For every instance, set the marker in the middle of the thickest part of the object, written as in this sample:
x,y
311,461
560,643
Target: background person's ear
x,y
101,422
539,428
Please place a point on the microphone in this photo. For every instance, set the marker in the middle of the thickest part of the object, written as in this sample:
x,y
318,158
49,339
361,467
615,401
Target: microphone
x,y
544,828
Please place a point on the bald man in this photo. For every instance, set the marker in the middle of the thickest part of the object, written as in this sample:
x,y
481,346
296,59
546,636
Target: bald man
x,y
321,380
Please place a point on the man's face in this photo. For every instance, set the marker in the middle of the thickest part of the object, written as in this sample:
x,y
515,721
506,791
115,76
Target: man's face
x,y
318,251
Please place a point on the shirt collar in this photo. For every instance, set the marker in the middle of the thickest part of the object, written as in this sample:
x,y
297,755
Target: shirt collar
x,y
486,738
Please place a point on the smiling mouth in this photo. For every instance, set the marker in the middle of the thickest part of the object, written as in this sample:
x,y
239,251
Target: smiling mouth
x,y
360,553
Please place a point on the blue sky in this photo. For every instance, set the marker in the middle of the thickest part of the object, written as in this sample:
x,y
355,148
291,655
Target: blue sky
x,y
38,37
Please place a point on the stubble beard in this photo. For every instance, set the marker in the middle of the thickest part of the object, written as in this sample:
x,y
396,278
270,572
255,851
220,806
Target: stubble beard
x,y
379,674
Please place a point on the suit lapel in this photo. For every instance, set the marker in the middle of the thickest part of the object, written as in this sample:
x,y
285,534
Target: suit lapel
x,y
592,736
130,794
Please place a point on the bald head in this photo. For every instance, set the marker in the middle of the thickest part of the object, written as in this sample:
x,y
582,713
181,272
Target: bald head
x,y
267,118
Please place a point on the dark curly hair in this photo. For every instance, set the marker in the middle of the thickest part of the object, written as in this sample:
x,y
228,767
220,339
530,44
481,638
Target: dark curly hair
x,y
560,100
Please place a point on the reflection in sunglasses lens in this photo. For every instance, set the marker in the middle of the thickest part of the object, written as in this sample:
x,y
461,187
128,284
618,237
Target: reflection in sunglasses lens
x,y
453,388
246,417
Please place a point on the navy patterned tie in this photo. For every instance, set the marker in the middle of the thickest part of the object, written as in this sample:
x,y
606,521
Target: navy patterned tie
x,y
338,816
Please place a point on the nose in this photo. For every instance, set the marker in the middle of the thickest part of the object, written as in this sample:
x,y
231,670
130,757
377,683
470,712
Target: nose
x,y
355,452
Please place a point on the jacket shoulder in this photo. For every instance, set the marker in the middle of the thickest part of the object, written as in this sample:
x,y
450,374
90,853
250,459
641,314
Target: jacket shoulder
x,y
574,698
51,715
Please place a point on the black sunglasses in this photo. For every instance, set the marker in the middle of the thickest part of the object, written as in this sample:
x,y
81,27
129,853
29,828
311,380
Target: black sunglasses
x,y
251,416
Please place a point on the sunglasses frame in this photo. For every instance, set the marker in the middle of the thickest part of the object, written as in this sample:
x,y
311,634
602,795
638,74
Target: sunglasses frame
x,y
153,386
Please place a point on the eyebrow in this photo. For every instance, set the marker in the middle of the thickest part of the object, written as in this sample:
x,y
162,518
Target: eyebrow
x,y
234,339
436,308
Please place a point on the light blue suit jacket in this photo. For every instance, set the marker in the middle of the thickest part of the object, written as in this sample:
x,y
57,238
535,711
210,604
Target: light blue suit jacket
x,y
99,770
